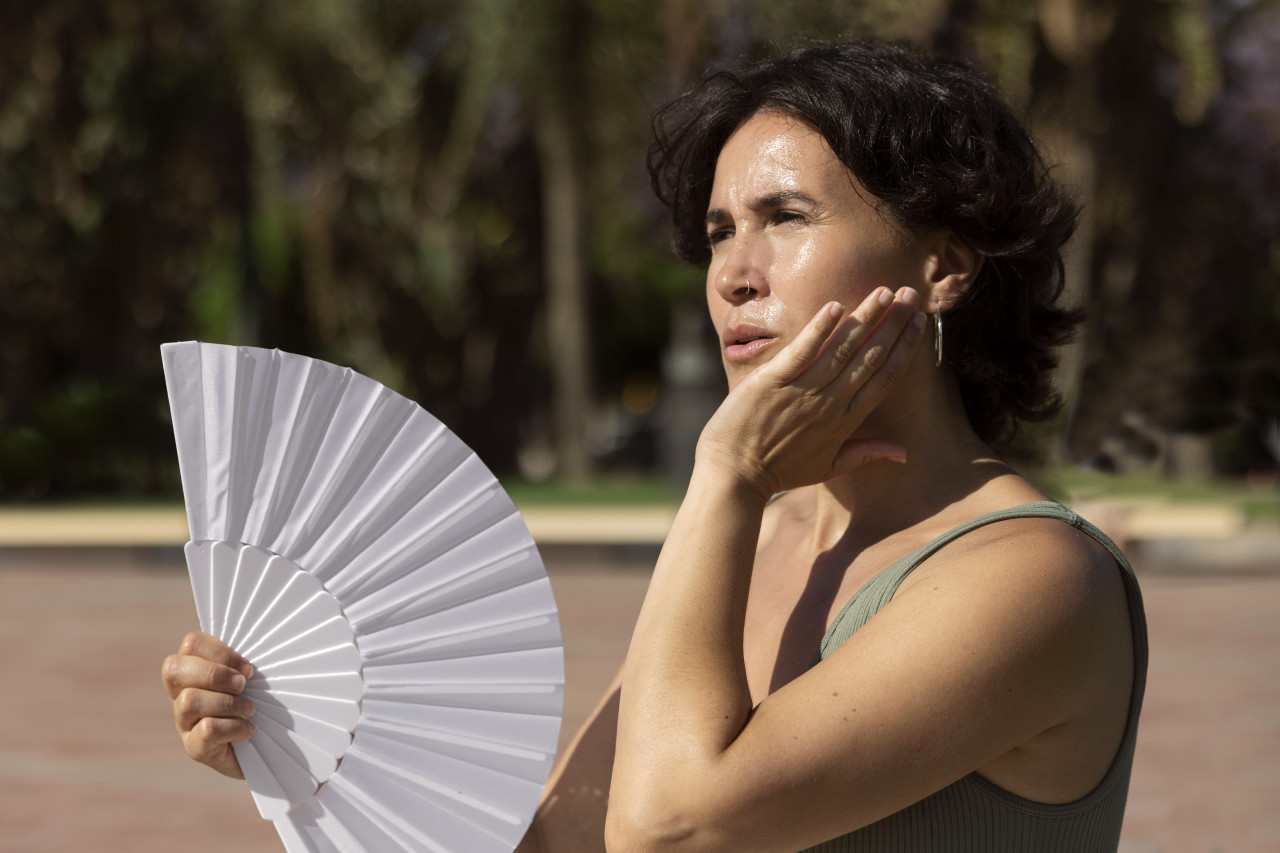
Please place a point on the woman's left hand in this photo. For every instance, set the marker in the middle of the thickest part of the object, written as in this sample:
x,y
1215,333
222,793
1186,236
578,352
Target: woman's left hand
x,y
790,422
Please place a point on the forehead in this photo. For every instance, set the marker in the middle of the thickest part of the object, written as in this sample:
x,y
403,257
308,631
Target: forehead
x,y
773,151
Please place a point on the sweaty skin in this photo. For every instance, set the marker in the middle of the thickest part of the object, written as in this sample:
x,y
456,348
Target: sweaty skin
x,y
1003,654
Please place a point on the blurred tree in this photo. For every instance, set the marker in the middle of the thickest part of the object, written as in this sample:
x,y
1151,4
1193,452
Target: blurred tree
x,y
122,170
449,195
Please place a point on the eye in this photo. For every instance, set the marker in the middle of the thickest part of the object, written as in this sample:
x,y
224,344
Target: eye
x,y
782,217
718,235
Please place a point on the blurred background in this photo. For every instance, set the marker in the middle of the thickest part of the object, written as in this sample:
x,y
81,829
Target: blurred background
x,y
450,196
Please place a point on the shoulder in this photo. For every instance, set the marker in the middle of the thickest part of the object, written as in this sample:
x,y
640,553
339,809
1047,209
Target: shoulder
x,y
1037,597
1024,558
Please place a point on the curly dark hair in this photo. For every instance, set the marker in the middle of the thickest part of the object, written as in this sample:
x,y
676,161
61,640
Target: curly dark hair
x,y
935,143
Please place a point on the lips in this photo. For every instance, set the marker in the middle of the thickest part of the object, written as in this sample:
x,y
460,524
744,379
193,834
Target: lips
x,y
744,342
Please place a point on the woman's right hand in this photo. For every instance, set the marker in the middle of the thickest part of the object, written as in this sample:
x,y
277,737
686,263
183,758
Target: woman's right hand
x,y
204,680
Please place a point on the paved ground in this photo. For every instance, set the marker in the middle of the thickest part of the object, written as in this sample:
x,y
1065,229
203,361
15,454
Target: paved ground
x,y
89,760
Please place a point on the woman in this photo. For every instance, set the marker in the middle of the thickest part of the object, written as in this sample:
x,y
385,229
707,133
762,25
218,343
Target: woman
x,y
883,259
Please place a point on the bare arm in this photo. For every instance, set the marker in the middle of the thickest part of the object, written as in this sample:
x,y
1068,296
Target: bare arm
x,y
901,710
570,818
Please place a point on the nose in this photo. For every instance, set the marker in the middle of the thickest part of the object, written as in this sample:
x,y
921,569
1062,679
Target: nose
x,y
739,277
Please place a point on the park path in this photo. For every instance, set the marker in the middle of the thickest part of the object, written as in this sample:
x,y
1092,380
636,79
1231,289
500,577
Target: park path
x,y
89,759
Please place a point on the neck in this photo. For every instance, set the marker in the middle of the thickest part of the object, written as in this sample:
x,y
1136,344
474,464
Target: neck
x,y
946,461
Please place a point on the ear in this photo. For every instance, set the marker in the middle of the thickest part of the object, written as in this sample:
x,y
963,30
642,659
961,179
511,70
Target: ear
x,y
953,268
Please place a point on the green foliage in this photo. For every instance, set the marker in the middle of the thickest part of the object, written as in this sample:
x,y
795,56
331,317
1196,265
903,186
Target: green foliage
x,y
362,182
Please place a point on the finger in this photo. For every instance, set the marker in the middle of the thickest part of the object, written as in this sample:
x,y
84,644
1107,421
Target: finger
x,y
799,355
180,672
885,356
206,646
193,705
844,344
857,452
207,742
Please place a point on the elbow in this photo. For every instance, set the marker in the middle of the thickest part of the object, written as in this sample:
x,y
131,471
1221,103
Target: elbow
x,y
650,830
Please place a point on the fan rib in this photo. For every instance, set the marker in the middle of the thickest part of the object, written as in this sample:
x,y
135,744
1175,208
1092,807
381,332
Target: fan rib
x,y
339,711
313,758
331,631
268,794
329,737
287,768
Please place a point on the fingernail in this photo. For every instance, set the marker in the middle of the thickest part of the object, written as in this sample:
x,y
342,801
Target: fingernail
x,y
836,309
885,298
237,682
247,670
251,709
918,320
908,296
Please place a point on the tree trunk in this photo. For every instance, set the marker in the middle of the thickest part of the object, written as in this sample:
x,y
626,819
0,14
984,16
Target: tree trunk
x,y
564,273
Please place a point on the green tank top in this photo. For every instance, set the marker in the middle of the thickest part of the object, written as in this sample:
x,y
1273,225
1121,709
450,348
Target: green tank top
x,y
974,815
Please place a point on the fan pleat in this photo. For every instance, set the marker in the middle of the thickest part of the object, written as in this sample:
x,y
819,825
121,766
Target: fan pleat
x,y
424,817
340,712
521,666
301,834
325,735
408,678
546,699
316,402
279,416
416,460
342,431
219,391
377,424
338,819
510,619
531,765
200,569
533,732
466,789
474,568
256,383
358,816
183,379
286,766
537,631
460,507
316,760
269,794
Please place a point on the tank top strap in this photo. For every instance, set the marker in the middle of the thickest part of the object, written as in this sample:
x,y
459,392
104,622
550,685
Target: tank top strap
x,y
876,592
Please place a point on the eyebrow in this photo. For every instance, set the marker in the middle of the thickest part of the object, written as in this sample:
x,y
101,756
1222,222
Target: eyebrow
x,y
768,202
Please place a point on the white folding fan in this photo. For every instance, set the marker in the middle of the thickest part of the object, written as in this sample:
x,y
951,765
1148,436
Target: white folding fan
x,y
408,671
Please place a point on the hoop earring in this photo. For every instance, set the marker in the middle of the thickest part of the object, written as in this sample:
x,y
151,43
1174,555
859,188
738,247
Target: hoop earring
x,y
937,337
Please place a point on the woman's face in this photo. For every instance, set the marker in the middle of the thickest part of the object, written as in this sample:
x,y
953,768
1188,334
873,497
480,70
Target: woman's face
x,y
789,233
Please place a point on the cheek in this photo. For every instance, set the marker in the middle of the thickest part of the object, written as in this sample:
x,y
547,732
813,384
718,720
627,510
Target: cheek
x,y
816,272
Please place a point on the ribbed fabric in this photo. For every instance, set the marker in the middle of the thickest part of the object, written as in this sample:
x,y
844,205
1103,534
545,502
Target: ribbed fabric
x,y
974,815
